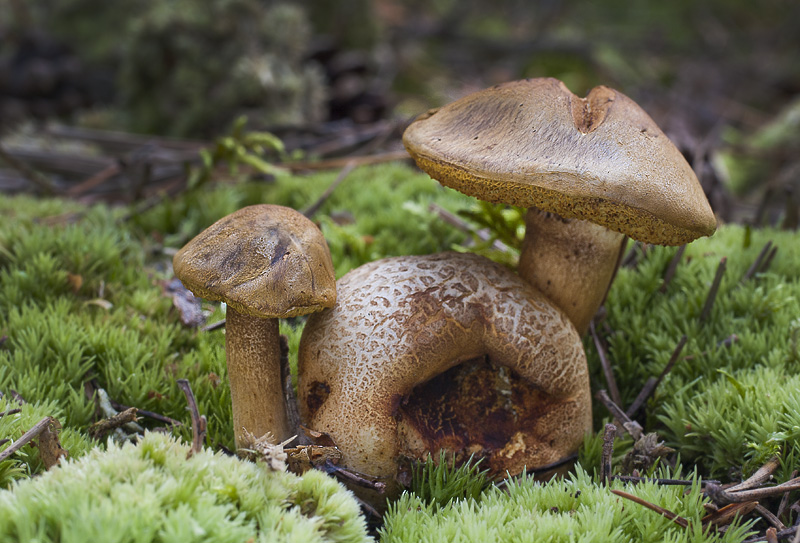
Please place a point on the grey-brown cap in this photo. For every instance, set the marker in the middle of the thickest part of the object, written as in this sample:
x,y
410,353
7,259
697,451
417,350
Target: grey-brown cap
x,y
265,261
533,143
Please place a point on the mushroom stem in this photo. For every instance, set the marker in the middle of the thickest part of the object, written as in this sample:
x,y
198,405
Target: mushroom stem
x,y
571,261
252,348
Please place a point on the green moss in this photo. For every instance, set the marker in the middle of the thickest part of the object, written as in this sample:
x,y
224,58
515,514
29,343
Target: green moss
x,y
645,326
571,509
152,492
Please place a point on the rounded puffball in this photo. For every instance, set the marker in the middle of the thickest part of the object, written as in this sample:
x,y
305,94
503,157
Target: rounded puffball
x,y
264,261
366,367
533,143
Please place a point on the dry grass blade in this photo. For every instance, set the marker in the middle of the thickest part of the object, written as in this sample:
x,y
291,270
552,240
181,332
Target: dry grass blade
x,y
677,519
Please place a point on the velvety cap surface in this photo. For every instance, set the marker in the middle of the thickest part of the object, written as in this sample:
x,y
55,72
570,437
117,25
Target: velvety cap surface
x,y
264,261
533,143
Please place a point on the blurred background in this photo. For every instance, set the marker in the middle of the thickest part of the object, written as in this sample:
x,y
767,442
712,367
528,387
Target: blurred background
x,y
92,86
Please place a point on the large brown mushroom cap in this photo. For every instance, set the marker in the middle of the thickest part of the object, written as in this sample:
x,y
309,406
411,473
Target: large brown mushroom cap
x,y
533,143
264,261
401,322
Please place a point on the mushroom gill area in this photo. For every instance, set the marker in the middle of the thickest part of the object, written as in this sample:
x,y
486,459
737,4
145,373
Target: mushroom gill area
x,y
479,409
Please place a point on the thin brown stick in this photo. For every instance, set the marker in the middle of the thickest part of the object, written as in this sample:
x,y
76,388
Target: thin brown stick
x,y
10,412
712,292
672,268
666,482
609,434
607,370
785,499
199,423
214,326
311,210
95,180
334,163
454,220
754,267
28,173
147,414
680,521
769,517
102,427
292,412
768,260
351,476
651,384
630,426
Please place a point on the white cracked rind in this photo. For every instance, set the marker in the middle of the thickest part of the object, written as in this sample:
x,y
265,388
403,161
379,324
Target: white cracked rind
x,y
401,321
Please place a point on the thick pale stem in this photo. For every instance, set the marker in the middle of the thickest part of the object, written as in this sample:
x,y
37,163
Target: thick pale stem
x,y
571,261
252,349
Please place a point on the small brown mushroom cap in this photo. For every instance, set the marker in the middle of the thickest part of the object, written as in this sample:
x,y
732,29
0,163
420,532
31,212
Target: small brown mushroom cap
x,y
264,261
367,364
533,143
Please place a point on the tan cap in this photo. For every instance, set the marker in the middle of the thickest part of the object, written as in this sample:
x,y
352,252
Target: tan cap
x,y
264,261
533,143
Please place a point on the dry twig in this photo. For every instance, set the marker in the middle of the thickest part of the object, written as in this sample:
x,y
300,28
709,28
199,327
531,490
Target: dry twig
x,y
680,521
102,427
607,371
630,426
712,292
199,423
652,383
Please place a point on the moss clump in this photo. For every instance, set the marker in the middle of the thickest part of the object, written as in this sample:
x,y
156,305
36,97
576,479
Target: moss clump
x,y
152,492
716,407
570,509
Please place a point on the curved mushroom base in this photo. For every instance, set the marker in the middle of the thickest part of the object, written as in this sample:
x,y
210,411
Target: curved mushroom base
x,y
374,367
488,411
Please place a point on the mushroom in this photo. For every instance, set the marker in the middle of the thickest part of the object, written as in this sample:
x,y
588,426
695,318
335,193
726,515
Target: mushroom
x,y
446,351
591,169
265,262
